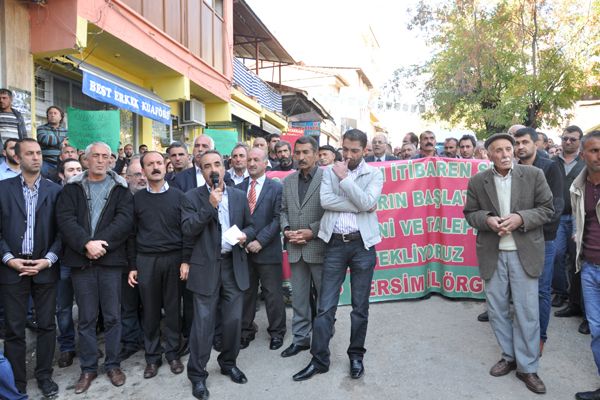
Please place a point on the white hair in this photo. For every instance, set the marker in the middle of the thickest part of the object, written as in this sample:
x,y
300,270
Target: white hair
x,y
211,142
88,149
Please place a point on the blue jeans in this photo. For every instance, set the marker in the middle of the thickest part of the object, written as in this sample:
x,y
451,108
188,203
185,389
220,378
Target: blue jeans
x,y
545,288
64,311
339,257
561,242
8,390
590,284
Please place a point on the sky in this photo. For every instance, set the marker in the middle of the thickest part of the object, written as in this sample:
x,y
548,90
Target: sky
x,y
327,32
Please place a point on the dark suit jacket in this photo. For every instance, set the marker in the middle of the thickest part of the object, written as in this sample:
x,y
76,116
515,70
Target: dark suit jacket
x,y
555,182
387,158
266,221
531,198
13,222
186,180
200,224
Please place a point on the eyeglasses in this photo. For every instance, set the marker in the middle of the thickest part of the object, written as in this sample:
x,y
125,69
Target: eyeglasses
x,y
137,175
568,139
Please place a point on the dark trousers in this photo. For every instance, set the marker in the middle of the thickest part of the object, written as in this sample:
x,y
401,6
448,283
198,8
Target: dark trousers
x,y
64,311
187,298
158,279
131,331
16,300
338,258
98,286
269,276
230,298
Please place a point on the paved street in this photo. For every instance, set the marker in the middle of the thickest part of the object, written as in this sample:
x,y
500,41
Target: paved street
x,y
431,349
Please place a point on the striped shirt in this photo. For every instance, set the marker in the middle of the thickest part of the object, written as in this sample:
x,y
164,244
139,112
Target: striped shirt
x,y
9,126
346,222
31,197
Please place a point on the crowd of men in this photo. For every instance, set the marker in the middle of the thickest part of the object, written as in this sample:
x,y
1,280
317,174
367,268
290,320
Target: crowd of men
x,y
167,252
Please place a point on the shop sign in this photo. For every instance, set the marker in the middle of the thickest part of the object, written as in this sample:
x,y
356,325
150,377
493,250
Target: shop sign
x,y
311,128
109,92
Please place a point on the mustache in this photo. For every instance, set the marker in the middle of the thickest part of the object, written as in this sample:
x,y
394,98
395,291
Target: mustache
x,y
156,171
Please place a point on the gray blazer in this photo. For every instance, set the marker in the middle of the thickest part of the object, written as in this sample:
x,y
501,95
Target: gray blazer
x,y
531,198
303,216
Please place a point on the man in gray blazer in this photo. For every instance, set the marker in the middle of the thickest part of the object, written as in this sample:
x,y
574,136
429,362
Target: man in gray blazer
x,y
508,205
301,213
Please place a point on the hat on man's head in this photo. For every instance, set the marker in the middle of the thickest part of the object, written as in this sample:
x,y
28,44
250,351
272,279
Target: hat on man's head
x,y
327,147
497,136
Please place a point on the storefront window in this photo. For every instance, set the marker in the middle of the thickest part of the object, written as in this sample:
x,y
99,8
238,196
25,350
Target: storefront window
x,y
128,122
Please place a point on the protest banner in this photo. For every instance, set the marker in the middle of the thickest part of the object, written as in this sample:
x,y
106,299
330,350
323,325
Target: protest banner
x,y
427,245
86,127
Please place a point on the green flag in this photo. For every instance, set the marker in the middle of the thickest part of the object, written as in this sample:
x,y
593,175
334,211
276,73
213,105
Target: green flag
x,y
87,127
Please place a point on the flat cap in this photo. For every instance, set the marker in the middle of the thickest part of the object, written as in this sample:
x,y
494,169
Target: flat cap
x,y
497,136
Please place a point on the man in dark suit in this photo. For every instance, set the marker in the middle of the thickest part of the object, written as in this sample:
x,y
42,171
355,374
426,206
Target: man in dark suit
x,y
218,272
264,253
508,204
185,181
192,178
380,143
29,245
525,150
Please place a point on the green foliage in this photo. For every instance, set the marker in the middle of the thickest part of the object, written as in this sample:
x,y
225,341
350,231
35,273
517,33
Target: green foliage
x,y
506,62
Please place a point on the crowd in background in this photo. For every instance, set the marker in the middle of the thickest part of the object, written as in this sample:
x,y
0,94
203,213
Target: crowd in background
x,y
153,246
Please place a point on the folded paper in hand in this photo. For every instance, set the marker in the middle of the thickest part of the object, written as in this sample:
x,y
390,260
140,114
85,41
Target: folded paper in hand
x,y
233,235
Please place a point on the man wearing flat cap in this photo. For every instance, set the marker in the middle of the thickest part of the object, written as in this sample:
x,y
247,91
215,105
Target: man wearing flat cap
x,y
508,204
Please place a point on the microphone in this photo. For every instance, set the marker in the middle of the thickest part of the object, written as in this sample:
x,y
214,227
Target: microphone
x,y
214,178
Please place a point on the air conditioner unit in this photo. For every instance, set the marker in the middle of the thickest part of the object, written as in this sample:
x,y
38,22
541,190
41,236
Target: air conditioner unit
x,y
194,113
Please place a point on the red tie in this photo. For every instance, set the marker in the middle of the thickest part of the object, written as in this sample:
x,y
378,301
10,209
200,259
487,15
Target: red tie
x,y
252,196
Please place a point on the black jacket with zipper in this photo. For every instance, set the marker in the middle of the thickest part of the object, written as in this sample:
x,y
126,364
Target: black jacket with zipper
x,y
114,225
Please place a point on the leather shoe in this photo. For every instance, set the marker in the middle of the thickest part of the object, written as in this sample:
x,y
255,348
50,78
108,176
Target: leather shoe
x,y
483,317
503,367
200,391
293,349
151,370
276,343
176,366
48,387
357,369
235,374
116,376
568,311
533,382
84,382
584,327
558,301
595,395
307,373
66,359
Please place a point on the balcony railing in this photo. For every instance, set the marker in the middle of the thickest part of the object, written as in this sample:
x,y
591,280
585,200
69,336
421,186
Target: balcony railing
x,y
255,87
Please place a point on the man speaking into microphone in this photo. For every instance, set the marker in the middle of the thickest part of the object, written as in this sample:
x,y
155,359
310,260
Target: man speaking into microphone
x,y
218,274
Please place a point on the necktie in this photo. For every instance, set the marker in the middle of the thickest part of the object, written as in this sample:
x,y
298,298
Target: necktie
x,y
378,159
252,196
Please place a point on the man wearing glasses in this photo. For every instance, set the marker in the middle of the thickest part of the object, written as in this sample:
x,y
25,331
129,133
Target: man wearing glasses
x,y
570,164
379,148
